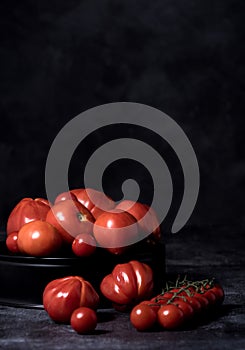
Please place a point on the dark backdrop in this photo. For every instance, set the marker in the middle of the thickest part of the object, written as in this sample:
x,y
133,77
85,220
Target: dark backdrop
x,y
59,58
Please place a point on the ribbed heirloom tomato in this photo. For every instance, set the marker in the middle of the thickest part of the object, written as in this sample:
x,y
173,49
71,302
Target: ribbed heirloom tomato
x,y
128,284
64,295
27,210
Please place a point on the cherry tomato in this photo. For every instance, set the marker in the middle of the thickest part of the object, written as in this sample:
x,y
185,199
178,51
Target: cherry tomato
x,y
143,317
185,307
196,305
84,245
202,300
170,316
64,295
38,238
70,218
25,211
11,242
83,320
219,293
128,283
97,202
146,216
116,230
210,296
154,306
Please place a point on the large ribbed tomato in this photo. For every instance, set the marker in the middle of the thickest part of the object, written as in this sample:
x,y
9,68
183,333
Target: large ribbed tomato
x,y
27,210
128,284
64,295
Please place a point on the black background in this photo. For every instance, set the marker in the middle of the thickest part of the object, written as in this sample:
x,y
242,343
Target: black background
x,y
186,58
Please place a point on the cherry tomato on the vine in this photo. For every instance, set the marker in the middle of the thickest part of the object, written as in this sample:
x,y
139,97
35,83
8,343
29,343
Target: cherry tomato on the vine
x,y
170,316
143,317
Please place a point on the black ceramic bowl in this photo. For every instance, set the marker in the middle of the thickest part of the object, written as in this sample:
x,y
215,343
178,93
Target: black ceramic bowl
x,y
23,278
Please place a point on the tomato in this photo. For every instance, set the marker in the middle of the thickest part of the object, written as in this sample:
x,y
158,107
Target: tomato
x,y
210,296
202,300
65,196
154,306
11,242
38,238
146,217
116,230
27,210
185,307
128,283
218,292
84,244
196,305
97,202
70,218
64,295
170,316
143,317
83,320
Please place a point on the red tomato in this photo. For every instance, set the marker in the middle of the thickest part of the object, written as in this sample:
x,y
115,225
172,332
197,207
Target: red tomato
x,y
210,296
143,317
83,320
97,202
84,245
152,305
70,218
170,316
65,196
128,283
11,242
64,295
146,216
185,307
202,300
196,305
116,230
219,293
38,238
27,210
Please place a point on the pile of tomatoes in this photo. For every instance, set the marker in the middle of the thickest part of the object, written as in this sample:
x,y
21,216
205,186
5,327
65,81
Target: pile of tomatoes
x,y
82,219
178,305
130,287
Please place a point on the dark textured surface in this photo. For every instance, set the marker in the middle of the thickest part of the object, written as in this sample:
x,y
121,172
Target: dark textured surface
x,y
58,58
197,252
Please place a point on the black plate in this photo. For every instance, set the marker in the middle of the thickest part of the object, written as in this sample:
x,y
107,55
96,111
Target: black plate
x,y
23,278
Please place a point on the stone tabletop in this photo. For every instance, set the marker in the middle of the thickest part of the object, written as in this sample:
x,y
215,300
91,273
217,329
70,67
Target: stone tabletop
x,y
211,251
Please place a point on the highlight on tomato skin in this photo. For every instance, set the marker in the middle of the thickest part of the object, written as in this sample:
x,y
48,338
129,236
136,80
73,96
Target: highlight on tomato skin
x,y
170,317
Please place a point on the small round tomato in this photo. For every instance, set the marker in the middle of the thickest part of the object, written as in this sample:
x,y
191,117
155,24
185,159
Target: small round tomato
x,y
70,218
11,242
96,202
202,300
116,230
185,307
25,211
170,316
143,317
84,245
83,320
154,306
196,305
219,293
38,238
210,296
